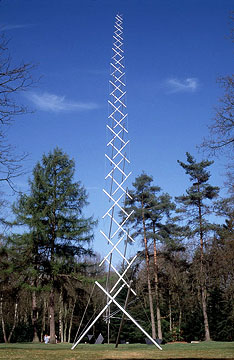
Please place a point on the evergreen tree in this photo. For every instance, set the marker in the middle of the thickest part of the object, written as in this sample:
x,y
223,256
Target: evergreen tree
x,y
149,212
57,231
140,198
195,208
159,207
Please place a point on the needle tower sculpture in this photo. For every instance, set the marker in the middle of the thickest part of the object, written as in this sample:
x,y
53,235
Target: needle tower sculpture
x,y
115,190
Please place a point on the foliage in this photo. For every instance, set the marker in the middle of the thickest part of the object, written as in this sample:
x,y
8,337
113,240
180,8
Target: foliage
x,y
194,206
53,214
57,232
28,271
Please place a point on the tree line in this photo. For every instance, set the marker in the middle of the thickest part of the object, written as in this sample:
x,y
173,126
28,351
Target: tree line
x,y
183,274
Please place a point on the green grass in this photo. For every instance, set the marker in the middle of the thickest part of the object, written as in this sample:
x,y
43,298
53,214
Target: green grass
x,y
203,350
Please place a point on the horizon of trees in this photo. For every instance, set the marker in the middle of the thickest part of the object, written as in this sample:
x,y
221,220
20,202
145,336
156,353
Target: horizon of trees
x,y
185,292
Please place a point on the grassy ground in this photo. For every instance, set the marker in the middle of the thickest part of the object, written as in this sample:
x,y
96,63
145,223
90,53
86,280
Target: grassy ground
x,y
210,350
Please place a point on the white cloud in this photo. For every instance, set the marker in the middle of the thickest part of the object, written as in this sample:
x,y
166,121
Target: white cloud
x,y
14,26
56,103
187,85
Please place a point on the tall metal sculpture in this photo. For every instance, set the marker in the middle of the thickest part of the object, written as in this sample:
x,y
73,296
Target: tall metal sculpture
x,y
116,216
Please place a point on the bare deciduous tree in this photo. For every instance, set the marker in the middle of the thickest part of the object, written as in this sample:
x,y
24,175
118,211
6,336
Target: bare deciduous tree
x,y
222,129
13,80
221,136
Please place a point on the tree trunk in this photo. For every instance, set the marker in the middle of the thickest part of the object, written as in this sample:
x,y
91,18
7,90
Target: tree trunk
x,y
51,298
2,319
170,313
148,279
71,321
204,310
202,276
34,317
43,319
156,288
61,317
14,322
65,323
52,321
180,317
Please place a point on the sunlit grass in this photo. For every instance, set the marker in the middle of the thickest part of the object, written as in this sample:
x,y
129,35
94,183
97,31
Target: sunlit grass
x,y
203,350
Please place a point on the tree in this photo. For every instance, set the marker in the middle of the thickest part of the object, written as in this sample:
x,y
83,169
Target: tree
x,y
25,249
174,282
159,206
220,258
139,202
149,212
10,290
13,80
195,207
222,129
57,230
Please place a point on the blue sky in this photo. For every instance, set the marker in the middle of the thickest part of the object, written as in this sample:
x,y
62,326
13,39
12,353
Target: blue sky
x,y
175,50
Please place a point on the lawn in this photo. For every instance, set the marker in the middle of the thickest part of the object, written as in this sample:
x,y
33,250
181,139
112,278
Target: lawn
x,y
203,350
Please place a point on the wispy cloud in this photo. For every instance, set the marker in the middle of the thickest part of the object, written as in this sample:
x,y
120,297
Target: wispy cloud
x,y
14,26
175,85
56,103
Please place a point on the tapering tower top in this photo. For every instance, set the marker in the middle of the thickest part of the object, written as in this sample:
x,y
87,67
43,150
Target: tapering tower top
x,y
117,147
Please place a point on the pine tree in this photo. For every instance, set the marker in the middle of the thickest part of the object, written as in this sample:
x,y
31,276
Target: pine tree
x,y
149,212
195,207
159,208
57,231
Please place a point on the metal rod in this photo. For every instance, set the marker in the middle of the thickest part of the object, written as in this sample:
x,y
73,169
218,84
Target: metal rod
x,y
122,320
129,316
98,316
